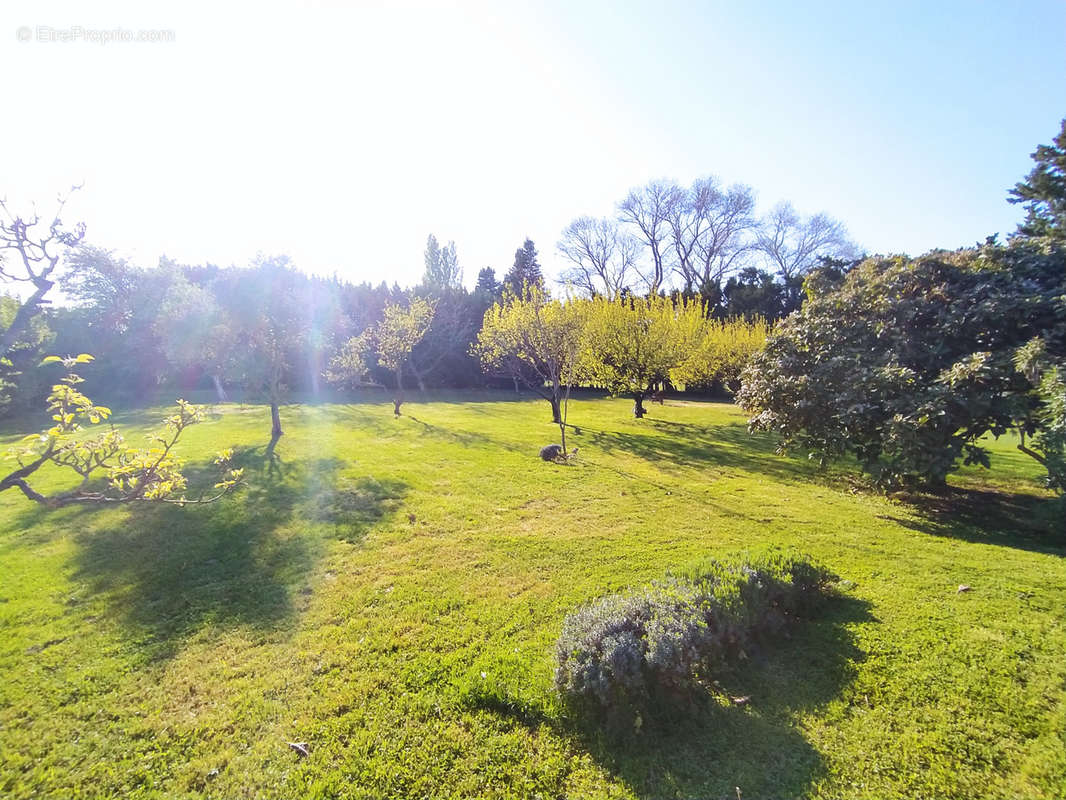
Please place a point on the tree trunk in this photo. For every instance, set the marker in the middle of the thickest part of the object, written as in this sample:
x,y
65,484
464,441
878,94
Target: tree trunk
x,y
24,314
418,379
638,405
938,484
397,400
557,393
220,390
275,421
515,379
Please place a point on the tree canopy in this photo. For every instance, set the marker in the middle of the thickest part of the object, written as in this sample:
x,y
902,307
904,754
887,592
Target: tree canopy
x,y
1043,193
526,271
907,363
534,340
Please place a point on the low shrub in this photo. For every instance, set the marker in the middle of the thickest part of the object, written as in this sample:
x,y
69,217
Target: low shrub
x,y
665,639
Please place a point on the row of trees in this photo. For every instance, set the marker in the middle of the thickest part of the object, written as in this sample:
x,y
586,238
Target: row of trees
x,y
630,346
702,240
261,329
267,328
264,330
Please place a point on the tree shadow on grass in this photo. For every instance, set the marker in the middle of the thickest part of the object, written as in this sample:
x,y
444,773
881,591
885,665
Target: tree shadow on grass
x,y
173,571
1022,521
464,438
1019,520
726,447
714,745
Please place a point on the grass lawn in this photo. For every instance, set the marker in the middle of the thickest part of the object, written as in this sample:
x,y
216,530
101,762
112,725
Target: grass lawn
x,y
390,591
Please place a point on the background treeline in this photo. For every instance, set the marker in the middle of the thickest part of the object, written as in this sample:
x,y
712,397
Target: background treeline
x,y
185,326
265,330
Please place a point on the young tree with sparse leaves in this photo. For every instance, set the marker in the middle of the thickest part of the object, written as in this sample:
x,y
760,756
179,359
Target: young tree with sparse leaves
x,y
110,470
392,340
534,340
397,334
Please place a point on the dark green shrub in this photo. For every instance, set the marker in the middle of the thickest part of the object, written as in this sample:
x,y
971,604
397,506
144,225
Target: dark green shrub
x,y
624,649
906,364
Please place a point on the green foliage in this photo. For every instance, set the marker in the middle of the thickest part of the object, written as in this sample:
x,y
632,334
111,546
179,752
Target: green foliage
x,y
632,344
627,649
195,330
626,345
117,306
350,365
24,353
907,364
487,286
526,273
400,330
534,339
271,323
721,351
442,267
1043,193
1047,425
131,474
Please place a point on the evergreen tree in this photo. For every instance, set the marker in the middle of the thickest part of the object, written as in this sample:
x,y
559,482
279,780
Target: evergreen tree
x,y
526,270
487,285
1043,192
442,267
432,259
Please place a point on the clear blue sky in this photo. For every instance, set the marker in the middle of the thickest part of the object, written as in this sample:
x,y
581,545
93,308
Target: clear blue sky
x,y
343,133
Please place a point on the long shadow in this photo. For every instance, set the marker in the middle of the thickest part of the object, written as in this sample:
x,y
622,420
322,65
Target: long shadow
x,y
382,424
464,438
377,396
1022,521
174,570
1016,520
728,447
716,745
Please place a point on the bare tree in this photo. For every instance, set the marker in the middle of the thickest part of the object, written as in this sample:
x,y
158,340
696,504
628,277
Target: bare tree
x,y
38,247
603,256
710,231
727,234
649,208
793,244
686,225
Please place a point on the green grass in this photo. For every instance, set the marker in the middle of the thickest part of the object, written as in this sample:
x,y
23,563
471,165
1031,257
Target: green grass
x,y
389,591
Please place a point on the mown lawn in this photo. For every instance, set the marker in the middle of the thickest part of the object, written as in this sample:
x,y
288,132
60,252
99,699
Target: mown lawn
x,y
389,592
